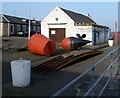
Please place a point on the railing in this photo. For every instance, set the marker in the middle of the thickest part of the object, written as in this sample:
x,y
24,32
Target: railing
x,y
92,68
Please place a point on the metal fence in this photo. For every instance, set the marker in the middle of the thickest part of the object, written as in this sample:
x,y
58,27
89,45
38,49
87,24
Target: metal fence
x,y
92,68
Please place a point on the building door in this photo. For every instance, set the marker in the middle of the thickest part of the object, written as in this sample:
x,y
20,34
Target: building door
x,y
57,34
96,37
12,29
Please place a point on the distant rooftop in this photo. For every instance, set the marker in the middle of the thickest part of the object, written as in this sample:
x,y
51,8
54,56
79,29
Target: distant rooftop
x,y
16,20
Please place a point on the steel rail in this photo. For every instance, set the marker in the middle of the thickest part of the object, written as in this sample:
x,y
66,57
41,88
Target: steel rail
x,y
107,82
83,74
105,57
100,77
69,84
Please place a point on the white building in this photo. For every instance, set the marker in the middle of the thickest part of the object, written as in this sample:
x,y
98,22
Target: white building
x,y
61,23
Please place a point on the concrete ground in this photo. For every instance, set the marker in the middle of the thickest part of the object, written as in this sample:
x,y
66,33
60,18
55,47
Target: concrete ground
x,y
46,85
114,88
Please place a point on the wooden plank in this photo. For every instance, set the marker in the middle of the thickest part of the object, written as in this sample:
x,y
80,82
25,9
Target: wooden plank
x,y
63,60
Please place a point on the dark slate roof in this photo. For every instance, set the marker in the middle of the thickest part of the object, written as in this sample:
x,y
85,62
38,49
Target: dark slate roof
x,y
18,20
78,18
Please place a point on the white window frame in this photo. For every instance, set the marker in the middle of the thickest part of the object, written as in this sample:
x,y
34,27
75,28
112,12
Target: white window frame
x,y
53,32
38,28
18,28
24,28
12,28
34,28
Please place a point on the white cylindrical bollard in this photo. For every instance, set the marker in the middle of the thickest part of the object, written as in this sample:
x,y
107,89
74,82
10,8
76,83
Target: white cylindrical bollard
x,y
110,42
21,73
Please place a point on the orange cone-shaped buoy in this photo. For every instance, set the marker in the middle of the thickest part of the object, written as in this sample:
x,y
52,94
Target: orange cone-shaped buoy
x,y
72,43
66,43
39,44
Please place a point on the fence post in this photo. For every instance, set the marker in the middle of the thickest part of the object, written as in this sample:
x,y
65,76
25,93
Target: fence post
x,y
92,80
118,70
119,60
118,65
111,58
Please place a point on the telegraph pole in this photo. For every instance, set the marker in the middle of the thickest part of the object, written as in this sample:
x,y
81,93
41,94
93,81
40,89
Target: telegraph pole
x,y
116,33
29,20
119,23
116,27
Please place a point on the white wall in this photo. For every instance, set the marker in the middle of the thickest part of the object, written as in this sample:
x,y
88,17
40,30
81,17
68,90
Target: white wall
x,y
64,21
4,29
1,30
84,30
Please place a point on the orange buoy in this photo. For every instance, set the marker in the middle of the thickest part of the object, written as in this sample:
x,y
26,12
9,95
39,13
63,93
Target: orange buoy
x,y
115,38
66,43
39,44
72,43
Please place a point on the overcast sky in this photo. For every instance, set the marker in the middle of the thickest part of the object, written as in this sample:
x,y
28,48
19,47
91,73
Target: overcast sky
x,y
104,13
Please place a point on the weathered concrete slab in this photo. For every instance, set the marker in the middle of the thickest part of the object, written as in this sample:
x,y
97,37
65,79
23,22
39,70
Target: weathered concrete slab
x,y
15,43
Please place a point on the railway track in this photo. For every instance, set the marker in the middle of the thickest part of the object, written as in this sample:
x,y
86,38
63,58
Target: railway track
x,y
63,60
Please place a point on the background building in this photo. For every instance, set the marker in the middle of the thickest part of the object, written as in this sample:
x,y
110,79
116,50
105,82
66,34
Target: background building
x,y
61,23
10,25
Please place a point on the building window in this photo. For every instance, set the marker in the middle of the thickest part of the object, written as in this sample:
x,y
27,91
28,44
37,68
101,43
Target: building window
x,y
18,27
38,28
12,28
24,27
56,19
34,22
53,32
34,28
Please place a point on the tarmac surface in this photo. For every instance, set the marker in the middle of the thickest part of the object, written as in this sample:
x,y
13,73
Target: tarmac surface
x,y
47,85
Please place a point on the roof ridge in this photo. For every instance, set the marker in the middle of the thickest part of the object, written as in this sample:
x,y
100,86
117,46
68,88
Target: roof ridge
x,y
73,11
70,13
15,16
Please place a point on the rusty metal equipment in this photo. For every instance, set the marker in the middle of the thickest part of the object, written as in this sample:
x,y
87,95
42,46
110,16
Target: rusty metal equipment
x,y
61,61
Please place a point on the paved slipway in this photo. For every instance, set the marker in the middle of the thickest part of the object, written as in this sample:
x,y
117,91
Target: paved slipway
x,y
48,84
